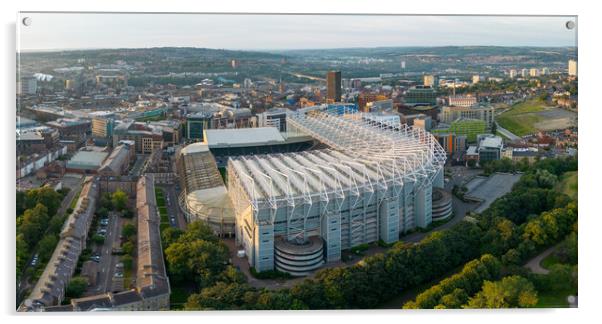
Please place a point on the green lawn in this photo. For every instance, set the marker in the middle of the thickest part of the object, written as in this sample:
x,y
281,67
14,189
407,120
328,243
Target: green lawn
x,y
549,261
162,209
522,117
568,184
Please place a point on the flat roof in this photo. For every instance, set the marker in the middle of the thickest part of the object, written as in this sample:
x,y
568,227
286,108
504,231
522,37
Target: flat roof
x,y
493,141
87,159
238,137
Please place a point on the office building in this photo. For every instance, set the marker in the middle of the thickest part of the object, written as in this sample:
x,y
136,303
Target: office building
x,y
275,117
534,72
428,80
450,114
102,127
476,79
489,147
512,74
421,96
572,68
333,86
462,101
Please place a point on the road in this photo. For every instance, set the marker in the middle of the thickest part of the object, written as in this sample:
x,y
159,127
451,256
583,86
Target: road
x,y
535,263
507,133
138,165
107,263
172,206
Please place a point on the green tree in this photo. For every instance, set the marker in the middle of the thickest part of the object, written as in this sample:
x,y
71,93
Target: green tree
x,y
34,223
119,200
510,292
103,212
46,246
127,261
76,287
198,259
170,235
22,254
128,230
98,239
128,248
219,297
455,299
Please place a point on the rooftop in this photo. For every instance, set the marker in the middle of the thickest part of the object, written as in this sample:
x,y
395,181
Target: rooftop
x,y
87,160
217,138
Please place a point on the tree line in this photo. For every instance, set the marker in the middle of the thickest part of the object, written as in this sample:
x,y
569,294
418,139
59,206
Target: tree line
x,y
37,225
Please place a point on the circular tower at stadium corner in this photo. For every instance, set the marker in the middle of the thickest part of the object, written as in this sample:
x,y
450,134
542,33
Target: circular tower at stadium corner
x,y
442,204
298,258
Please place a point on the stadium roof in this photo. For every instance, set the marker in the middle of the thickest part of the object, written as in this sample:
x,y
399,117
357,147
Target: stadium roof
x,y
219,138
364,155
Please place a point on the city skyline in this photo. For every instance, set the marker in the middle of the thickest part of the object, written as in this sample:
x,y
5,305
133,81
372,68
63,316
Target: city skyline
x,y
65,31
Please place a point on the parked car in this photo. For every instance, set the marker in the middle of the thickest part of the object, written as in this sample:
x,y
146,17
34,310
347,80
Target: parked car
x,y
95,258
118,275
34,261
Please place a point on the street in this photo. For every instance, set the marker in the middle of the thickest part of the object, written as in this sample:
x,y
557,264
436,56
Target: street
x,y
171,202
106,266
507,133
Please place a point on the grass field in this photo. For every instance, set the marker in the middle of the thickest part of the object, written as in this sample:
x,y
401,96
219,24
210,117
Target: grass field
x,y
522,117
568,184
549,261
162,209
555,299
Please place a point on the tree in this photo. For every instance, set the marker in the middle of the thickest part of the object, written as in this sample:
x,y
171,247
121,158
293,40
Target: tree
x,y
76,288
170,235
98,239
34,224
199,230
510,292
128,248
455,299
102,212
45,196
46,246
22,254
105,201
119,200
127,261
219,296
198,259
128,230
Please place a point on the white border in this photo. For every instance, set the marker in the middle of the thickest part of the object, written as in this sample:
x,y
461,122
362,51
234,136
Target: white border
x,y
589,72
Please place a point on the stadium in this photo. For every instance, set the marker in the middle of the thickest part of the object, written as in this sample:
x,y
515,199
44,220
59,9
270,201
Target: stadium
x,y
374,181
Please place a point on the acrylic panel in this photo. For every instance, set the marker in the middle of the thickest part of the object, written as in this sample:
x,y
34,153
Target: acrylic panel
x,y
195,161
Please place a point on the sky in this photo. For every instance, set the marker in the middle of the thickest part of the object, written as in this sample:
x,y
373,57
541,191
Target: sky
x,y
51,31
